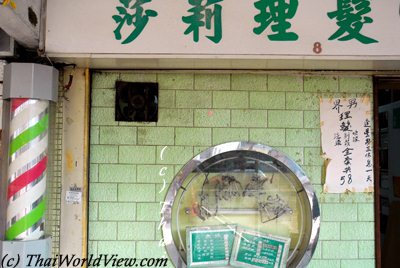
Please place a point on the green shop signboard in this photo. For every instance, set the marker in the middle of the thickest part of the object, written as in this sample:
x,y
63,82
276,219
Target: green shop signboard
x,y
222,27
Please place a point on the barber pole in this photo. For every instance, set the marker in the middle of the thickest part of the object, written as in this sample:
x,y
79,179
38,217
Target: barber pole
x,y
27,170
29,91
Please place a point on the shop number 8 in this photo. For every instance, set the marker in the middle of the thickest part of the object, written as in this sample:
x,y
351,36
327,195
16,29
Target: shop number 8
x,y
317,48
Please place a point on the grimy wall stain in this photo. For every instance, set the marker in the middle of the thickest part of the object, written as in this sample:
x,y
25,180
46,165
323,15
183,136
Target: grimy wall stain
x,y
204,109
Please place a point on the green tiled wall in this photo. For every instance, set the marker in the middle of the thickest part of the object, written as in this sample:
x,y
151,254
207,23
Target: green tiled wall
x,y
196,112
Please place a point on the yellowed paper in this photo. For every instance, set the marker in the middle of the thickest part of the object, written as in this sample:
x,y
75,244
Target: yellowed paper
x,y
347,141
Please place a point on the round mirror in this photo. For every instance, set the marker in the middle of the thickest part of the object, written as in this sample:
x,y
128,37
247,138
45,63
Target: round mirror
x,y
242,184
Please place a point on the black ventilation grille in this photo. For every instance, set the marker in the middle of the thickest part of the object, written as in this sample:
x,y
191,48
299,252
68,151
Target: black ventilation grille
x,y
136,102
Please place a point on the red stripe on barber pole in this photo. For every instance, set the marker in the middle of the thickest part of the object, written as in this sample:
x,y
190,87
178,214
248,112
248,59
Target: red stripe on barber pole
x,y
26,178
15,103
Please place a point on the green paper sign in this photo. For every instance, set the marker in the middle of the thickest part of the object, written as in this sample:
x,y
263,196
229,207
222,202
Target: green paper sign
x,y
253,249
209,246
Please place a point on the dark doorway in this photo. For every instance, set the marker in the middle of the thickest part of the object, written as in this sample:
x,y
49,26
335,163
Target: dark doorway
x,y
387,197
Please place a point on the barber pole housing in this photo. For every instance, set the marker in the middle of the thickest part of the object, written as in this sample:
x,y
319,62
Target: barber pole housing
x,y
29,90
27,168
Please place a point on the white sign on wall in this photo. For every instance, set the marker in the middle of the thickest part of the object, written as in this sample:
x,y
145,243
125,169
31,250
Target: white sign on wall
x,y
347,144
251,28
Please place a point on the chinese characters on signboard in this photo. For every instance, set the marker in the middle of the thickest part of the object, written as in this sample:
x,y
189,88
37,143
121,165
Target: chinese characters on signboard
x,y
346,136
274,15
201,15
133,15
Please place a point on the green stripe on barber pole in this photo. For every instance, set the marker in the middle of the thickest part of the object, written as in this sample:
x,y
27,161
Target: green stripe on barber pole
x,y
27,221
29,134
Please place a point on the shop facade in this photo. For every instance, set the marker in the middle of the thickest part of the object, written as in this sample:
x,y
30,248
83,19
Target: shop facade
x,y
228,80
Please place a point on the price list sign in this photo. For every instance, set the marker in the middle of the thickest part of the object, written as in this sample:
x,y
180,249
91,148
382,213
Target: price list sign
x,y
209,246
253,249
346,137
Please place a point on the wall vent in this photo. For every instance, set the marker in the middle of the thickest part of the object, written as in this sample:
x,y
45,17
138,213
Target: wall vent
x,y
136,102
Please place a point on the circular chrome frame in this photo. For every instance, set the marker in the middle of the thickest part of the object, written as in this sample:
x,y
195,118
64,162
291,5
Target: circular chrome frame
x,y
229,147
